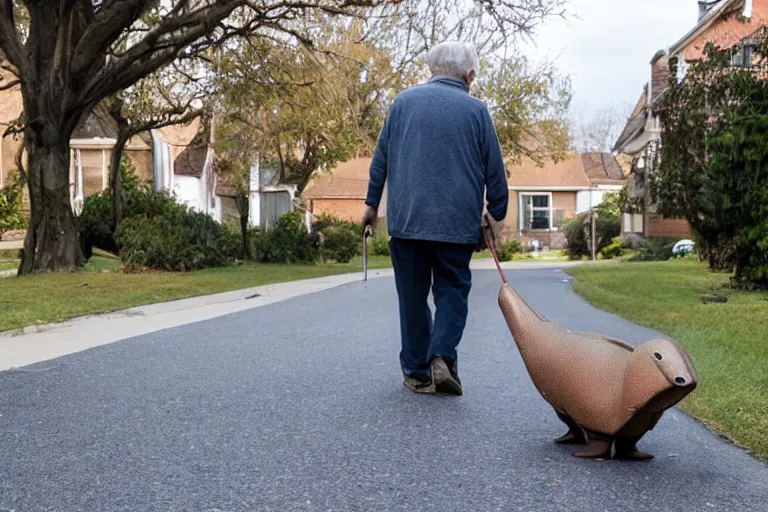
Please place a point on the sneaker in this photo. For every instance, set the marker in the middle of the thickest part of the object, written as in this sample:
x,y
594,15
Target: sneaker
x,y
418,385
444,381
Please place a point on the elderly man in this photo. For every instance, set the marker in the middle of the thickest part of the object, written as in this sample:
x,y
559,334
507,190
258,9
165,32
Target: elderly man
x,y
439,154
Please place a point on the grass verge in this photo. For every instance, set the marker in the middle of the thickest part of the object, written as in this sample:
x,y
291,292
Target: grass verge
x,y
99,288
728,342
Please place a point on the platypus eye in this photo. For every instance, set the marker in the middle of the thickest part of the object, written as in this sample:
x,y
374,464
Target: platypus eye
x,y
657,356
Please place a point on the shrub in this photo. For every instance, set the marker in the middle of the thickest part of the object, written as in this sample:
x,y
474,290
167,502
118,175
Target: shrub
x,y
289,242
655,249
340,244
380,245
326,221
613,250
10,208
178,239
578,233
507,248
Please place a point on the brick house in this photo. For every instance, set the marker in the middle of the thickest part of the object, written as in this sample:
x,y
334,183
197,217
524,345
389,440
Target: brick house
x,y
543,199
727,23
341,192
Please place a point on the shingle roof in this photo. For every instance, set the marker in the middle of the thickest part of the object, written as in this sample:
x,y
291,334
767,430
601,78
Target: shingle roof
x,y
348,180
567,173
602,169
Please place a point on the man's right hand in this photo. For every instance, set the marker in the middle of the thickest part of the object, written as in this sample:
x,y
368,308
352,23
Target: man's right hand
x,y
370,217
489,221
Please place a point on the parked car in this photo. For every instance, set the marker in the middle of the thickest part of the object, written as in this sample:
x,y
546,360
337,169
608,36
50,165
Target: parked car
x,y
683,247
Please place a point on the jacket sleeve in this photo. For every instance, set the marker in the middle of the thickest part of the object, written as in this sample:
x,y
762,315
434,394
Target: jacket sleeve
x,y
378,171
497,192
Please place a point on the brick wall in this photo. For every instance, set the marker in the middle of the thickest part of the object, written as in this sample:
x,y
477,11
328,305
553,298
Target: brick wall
x,y
657,225
349,209
729,31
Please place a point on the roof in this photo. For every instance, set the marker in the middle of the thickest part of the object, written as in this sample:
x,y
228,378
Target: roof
x,y
566,173
349,180
706,21
577,171
602,169
98,125
635,123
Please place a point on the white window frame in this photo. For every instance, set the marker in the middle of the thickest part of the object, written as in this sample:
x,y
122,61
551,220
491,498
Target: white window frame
x,y
521,210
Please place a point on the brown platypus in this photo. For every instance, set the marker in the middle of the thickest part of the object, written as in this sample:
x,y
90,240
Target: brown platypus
x,y
607,392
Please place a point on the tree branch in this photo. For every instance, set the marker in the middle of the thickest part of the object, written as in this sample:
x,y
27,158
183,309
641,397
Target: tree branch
x,y
9,38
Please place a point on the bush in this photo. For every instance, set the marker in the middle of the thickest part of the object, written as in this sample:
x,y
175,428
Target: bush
x,y
578,233
178,239
614,250
326,221
655,249
96,221
380,245
10,208
340,244
507,248
289,242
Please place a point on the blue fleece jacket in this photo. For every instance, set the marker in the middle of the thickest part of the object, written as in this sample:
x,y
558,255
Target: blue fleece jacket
x,y
438,152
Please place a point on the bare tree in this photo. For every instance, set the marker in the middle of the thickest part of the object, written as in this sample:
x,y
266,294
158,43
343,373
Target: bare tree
x,y
599,132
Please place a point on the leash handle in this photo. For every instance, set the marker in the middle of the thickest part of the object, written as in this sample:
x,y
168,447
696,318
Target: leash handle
x,y
490,241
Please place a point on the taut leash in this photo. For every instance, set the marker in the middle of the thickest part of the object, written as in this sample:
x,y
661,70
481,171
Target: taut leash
x,y
490,241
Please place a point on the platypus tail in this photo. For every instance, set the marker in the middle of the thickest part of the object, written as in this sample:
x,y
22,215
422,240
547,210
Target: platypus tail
x,y
490,241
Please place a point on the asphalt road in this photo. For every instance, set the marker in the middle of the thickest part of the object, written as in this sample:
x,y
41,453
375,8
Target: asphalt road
x,y
300,406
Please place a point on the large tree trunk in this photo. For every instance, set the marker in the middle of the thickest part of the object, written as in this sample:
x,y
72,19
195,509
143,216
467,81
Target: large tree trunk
x,y
52,242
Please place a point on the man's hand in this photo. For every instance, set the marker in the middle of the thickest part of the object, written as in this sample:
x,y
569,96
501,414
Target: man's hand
x,y
489,221
370,217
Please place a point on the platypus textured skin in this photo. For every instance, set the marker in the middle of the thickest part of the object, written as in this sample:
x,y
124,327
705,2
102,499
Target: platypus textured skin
x,y
607,392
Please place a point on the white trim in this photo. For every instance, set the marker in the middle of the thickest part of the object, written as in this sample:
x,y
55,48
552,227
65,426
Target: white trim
x,y
548,189
97,143
104,180
610,187
520,211
747,12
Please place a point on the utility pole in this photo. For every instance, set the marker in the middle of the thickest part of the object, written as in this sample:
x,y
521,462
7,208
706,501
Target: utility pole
x,y
594,235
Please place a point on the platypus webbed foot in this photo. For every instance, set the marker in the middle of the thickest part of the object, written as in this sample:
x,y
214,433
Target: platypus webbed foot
x,y
599,447
575,434
626,449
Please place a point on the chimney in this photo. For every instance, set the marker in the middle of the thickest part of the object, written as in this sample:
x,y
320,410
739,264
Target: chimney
x,y
705,6
659,76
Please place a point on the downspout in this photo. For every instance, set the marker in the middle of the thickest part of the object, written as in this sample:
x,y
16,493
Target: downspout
x,y
156,162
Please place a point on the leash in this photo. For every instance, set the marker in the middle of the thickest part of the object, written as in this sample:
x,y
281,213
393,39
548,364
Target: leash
x,y
490,241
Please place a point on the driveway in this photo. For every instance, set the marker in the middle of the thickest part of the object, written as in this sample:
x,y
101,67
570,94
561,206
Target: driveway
x,y
299,405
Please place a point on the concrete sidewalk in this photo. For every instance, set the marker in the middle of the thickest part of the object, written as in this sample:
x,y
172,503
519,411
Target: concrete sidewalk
x,y
44,342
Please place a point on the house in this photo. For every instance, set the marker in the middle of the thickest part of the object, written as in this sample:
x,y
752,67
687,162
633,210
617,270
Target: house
x,y
543,198
267,199
342,191
176,158
726,23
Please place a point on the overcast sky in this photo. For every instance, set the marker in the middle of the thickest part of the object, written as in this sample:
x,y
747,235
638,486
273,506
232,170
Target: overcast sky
x,y
608,48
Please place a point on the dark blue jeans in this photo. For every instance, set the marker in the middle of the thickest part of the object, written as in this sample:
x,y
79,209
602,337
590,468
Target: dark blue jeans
x,y
444,267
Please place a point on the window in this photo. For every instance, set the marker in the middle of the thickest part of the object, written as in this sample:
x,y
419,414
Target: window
x,y
743,57
536,212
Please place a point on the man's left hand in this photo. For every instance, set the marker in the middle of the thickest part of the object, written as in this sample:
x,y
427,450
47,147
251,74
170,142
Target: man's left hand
x,y
370,217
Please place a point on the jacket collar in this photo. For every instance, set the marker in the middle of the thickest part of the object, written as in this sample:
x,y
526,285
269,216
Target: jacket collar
x,y
450,81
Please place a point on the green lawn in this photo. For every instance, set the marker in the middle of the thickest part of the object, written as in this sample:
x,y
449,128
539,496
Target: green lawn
x,y
728,342
99,288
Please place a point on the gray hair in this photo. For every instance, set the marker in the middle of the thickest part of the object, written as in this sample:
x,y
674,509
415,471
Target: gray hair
x,y
453,58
